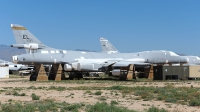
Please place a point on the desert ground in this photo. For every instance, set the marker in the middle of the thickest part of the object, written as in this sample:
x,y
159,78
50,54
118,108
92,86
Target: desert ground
x,y
136,95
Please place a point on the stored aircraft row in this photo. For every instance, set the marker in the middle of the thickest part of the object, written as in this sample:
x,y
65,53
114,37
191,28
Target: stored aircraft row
x,y
81,61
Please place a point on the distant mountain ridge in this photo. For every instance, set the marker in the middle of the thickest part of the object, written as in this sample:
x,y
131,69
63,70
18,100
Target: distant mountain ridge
x,y
6,52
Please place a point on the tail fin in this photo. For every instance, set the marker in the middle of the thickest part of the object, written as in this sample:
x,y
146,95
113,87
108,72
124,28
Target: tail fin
x,y
23,36
25,39
107,46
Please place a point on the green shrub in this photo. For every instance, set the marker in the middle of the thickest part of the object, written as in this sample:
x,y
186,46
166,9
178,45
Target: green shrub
x,y
102,98
10,100
159,97
15,93
118,88
35,97
171,100
88,92
104,107
113,102
11,108
155,109
23,94
194,102
98,93
61,88
32,87
73,108
57,88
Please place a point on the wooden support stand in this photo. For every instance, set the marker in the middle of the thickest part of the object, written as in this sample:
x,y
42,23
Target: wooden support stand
x,y
40,73
149,72
56,73
131,72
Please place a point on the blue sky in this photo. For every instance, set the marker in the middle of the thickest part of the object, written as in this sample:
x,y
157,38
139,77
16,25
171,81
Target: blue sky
x,y
130,25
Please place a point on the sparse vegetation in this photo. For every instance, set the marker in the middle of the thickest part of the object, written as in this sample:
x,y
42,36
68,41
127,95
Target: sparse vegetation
x,y
98,93
115,93
88,92
35,97
73,108
104,107
57,88
113,102
14,93
102,98
194,102
155,109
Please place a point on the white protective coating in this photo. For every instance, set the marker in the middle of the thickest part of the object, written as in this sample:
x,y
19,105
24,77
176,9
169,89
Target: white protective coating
x,y
136,59
52,51
173,54
31,46
44,52
198,58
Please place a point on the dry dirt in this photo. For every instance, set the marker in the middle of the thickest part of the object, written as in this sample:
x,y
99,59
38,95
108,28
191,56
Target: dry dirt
x,y
77,96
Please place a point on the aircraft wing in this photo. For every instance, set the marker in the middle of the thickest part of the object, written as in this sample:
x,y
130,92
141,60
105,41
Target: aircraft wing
x,y
127,63
123,63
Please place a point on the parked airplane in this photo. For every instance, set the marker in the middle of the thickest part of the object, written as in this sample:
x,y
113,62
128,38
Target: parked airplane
x,y
84,61
12,66
109,48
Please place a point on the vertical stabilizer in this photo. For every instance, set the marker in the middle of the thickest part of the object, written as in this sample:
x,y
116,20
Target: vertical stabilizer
x,y
107,46
23,36
25,39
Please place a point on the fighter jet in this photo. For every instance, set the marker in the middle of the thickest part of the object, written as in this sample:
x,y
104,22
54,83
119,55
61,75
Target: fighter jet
x,y
109,48
80,61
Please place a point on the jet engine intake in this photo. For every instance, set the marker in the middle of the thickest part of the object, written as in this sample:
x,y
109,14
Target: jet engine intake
x,y
67,67
116,72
